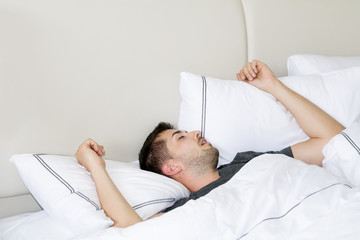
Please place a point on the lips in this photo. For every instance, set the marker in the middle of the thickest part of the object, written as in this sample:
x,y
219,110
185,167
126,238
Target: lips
x,y
203,141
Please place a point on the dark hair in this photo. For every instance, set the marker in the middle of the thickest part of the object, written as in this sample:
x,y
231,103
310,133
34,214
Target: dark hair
x,y
154,153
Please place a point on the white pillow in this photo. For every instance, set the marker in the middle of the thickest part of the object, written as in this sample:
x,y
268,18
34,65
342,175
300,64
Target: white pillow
x,y
304,64
342,154
239,117
67,192
37,225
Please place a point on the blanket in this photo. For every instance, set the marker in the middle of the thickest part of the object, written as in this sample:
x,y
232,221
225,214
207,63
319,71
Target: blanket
x,y
271,197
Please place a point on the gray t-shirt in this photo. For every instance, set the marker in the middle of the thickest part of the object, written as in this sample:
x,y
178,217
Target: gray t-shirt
x,y
226,172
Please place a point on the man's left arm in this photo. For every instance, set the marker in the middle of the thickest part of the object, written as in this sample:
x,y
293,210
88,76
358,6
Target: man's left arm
x,y
113,202
316,123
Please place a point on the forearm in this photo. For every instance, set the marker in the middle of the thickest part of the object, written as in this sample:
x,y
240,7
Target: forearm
x,y
315,122
114,204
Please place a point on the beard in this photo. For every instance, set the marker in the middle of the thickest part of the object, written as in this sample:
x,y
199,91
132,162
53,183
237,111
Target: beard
x,y
203,161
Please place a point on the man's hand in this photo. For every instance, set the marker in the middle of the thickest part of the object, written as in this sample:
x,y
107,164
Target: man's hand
x,y
259,75
89,155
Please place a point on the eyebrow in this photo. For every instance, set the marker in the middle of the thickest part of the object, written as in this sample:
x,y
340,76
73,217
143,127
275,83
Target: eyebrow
x,y
176,132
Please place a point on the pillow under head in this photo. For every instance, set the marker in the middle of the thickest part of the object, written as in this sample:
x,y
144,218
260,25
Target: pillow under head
x,y
67,192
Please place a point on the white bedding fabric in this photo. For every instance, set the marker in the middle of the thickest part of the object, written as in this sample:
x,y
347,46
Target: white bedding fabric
x,y
271,197
29,226
343,163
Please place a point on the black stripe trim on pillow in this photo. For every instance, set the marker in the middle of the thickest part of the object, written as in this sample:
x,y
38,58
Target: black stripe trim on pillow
x,y
65,183
89,200
144,204
203,114
293,207
351,142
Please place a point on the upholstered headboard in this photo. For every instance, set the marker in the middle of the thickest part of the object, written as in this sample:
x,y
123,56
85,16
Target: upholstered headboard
x,y
277,29
109,70
106,69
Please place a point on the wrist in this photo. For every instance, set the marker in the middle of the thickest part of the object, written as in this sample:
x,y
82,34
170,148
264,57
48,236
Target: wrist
x,y
96,166
275,87
97,169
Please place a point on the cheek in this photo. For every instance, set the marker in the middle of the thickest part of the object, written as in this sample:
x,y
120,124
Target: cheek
x,y
183,149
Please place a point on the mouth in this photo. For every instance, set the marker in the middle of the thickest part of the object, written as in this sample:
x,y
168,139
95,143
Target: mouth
x,y
203,141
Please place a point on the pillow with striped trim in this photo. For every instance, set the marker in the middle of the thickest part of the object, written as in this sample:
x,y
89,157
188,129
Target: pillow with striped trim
x,y
66,191
237,117
342,154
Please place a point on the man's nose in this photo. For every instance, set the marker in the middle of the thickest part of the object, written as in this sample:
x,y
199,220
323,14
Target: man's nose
x,y
196,134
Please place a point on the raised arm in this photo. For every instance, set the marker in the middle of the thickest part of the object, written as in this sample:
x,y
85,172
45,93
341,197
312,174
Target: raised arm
x,y
317,124
114,204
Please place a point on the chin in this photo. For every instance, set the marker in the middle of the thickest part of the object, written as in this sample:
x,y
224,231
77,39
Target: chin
x,y
213,154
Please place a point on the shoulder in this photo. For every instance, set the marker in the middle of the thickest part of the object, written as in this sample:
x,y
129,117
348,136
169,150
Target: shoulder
x,y
178,203
244,157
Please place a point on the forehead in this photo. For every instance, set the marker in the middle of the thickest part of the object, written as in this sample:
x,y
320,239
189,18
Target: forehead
x,y
167,134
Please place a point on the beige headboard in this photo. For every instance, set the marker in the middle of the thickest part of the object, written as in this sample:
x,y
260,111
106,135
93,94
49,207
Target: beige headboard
x,y
105,69
277,29
110,69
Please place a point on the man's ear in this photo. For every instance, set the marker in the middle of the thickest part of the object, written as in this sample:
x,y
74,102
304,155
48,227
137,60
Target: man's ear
x,y
171,167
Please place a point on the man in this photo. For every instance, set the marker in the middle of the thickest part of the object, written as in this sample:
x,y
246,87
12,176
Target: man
x,y
191,160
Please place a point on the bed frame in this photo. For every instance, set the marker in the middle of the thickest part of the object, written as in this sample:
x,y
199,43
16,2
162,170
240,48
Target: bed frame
x,y
109,70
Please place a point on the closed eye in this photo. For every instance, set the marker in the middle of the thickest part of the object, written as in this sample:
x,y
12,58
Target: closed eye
x,y
179,133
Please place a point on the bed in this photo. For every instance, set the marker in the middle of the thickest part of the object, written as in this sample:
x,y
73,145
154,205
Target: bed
x,y
111,70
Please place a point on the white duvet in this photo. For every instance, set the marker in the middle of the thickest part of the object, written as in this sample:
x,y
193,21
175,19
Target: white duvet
x,y
271,197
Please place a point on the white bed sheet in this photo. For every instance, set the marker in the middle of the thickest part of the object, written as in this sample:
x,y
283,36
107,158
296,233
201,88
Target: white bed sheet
x,y
271,197
29,226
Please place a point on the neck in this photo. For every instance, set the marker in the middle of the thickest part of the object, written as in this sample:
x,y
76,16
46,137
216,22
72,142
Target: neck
x,y
195,183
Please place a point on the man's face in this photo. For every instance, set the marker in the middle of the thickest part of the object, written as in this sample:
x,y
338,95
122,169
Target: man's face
x,y
190,148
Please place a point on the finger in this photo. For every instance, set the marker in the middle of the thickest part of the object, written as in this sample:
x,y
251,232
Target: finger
x,y
247,74
254,66
102,149
94,146
259,65
241,76
250,70
99,150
